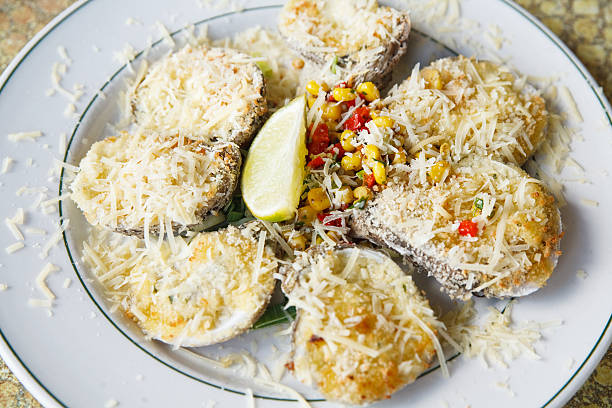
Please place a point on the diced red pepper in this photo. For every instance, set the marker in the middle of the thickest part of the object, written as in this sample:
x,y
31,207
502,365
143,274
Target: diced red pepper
x,y
316,162
363,111
369,180
333,223
358,119
342,84
350,104
468,228
337,150
319,140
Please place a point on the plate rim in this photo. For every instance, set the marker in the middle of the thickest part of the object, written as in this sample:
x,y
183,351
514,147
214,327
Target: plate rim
x,y
46,397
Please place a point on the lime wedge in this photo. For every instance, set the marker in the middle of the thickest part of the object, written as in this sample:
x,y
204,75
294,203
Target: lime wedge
x,y
274,169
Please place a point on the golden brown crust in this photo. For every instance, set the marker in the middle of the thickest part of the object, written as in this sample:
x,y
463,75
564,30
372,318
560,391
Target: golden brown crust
x,y
341,371
401,216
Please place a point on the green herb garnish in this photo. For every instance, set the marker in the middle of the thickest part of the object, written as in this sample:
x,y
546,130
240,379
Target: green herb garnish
x,y
334,64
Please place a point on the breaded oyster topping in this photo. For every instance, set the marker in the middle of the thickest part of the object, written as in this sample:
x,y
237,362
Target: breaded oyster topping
x,y
477,107
140,183
204,292
364,39
363,329
485,227
203,94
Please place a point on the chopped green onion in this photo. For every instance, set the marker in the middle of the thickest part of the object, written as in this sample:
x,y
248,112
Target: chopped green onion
x,y
334,64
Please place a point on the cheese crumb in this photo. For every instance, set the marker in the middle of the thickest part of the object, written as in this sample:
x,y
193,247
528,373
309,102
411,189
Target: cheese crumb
x,y
581,274
589,203
40,303
111,403
6,165
3,287
29,136
498,340
250,400
41,280
61,50
14,247
67,283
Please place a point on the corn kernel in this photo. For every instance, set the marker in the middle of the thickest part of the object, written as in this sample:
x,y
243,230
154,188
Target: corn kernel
x,y
345,195
437,171
298,63
433,79
344,94
334,236
297,242
369,91
306,214
311,100
312,87
444,149
383,121
346,140
380,175
372,154
351,163
400,157
331,111
362,193
318,200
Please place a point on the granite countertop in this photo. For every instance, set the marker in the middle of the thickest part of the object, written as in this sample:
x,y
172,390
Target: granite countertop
x,y
584,25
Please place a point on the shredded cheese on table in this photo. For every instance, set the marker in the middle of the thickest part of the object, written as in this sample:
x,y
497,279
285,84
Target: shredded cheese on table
x,y
498,340
29,136
41,280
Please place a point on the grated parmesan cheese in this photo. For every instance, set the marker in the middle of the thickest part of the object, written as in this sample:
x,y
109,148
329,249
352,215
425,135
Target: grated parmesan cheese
x,y
40,303
14,247
498,340
589,203
27,136
360,313
41,280
6,164
54,239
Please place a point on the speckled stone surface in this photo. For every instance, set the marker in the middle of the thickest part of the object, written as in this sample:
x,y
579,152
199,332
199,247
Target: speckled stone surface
x,y
585,25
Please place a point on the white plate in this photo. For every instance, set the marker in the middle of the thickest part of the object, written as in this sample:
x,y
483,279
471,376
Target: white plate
x,y
85,356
